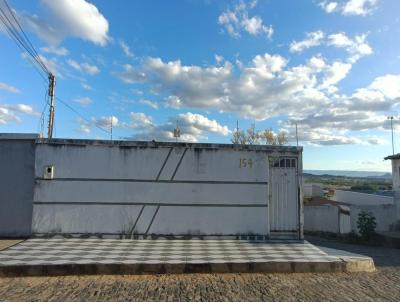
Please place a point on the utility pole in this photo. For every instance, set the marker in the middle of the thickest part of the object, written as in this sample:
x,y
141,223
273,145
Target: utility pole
x,y
391,125
52,87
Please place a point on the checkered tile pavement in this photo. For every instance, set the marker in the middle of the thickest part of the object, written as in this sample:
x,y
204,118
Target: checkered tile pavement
x,y
124,251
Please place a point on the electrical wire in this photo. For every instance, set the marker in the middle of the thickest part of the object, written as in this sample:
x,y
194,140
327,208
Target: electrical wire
x,y
21,40
18,35
81,115
26,37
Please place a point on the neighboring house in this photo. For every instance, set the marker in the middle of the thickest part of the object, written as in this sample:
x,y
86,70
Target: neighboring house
x,y
330,215
312,190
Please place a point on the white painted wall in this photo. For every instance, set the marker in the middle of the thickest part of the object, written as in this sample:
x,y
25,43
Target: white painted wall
x,y
356,198
326,218
312,190
385,216
396,185
100,188
396,174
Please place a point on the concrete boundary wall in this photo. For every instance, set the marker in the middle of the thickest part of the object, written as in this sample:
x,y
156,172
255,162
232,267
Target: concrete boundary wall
x,y
385,216
17,159
361,199
153,188
327,218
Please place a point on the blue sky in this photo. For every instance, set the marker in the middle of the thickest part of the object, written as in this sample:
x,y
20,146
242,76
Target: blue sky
x,y
332,67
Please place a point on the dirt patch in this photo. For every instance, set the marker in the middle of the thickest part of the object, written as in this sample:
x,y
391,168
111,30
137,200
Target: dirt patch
x,y
382,285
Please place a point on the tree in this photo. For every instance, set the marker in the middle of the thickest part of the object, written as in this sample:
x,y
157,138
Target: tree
x,y
269,136
239,137
252,137
366,224
281,138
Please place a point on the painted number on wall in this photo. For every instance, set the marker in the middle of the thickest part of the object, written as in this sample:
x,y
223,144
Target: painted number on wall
x,y
245,163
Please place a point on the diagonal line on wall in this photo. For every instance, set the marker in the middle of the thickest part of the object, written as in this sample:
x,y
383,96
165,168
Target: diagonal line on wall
x,y
179,163
164,163
137,220
152,220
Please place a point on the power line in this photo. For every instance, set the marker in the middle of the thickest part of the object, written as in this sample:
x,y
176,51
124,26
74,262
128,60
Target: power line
x,y
81,115
21,40
26,37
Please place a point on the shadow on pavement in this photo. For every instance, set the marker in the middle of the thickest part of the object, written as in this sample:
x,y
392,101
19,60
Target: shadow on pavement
x,y
382,256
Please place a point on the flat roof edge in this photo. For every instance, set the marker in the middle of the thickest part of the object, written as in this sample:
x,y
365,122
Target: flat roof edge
x,y
155,144
394,156
21,136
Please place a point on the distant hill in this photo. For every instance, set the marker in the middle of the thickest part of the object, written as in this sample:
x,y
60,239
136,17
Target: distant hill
x,y
366,174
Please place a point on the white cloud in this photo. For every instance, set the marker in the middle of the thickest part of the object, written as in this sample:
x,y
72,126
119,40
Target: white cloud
x,y
194,127
84,67
10,113
388,85
329,7
51,64
359,7
84,126
335,73
64,18
267,87
86,86
59,51
149,103
357,47
83,101
130,74
237,20
125,48
312,39
349,7
106,122
9,88
140,119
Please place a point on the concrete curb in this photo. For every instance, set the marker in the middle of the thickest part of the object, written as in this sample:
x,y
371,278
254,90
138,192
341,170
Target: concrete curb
x,y
350,265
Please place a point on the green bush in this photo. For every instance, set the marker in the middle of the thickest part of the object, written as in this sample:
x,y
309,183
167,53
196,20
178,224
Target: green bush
x,y
366,224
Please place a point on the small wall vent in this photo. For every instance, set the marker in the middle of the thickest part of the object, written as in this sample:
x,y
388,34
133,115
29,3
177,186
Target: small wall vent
x,y
48,172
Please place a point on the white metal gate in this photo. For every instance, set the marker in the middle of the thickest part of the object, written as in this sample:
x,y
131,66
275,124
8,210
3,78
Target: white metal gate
x,y
283,197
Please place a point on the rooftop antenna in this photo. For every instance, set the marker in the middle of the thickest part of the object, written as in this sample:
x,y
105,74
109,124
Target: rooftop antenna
x,y
177,132
297,136
391,126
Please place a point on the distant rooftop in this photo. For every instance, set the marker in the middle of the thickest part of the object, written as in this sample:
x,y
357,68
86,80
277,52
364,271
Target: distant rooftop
x,y
394,156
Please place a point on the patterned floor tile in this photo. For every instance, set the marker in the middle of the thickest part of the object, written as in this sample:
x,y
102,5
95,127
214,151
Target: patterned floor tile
x,y
126,251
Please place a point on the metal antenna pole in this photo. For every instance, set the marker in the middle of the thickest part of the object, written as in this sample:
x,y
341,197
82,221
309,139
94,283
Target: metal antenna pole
x,y
52,86
391,126
297,137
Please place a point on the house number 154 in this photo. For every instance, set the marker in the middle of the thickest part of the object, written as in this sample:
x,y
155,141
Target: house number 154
x,y
245,163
